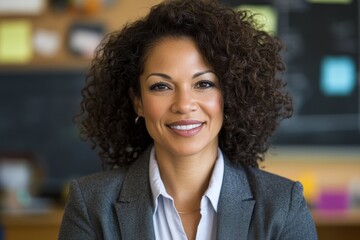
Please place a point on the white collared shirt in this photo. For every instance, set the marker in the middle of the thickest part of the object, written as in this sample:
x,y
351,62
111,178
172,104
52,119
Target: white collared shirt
x,y
167,222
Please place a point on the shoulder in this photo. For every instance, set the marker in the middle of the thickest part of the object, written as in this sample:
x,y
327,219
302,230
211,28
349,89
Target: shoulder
x,y
258,182
273,188
266,188
280,203
280,209
263,180
106,184
107,177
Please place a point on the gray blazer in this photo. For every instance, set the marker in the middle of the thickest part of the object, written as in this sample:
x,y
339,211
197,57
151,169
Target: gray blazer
x,y
253,204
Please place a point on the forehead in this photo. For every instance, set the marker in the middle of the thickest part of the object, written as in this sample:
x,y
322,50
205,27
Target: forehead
x,y
175,52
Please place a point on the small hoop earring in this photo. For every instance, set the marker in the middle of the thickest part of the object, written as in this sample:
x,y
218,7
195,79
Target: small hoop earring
x,y
137,119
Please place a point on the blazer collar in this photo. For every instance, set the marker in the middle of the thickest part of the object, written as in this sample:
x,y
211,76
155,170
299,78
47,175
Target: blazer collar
x,y
134,207
236,204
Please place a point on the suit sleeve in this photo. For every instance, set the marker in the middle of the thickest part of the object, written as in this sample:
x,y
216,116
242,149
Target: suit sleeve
x,y
299,222
76,222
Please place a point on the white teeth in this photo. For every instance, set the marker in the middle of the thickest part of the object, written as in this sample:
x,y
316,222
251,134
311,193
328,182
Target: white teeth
x,y
185,127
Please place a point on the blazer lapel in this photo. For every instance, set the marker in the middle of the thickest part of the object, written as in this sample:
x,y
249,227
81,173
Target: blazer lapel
x,y
134,207
236,204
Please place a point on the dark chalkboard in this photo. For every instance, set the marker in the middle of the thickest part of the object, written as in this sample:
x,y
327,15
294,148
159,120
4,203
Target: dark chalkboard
x,y
322,59
36,111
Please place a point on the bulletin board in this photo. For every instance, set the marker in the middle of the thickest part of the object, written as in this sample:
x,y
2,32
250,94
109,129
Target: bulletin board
x,y
56,19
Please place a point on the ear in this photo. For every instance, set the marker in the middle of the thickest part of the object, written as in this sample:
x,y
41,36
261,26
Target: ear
x,y
137,103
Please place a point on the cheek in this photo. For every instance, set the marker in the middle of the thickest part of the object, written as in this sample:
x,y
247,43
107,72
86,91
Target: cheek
x,y
215,104
153,109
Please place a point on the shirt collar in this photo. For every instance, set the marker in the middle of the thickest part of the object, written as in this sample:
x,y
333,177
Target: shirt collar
x,y
213,191
214,188
156,183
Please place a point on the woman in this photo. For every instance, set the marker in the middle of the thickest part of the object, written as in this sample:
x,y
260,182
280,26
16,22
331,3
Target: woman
x,y
181,105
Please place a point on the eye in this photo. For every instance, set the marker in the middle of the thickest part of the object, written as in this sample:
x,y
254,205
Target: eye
x,y
160,86
204,84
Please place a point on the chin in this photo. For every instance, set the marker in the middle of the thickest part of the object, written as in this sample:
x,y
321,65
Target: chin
x,y
189,149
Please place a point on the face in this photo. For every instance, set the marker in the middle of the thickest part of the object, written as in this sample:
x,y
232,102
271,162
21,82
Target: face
x,y
180,98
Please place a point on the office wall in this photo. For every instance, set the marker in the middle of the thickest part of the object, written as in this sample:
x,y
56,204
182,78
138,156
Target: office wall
x,y
319,146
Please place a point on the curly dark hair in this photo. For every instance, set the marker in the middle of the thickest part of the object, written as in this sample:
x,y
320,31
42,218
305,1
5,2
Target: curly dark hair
x,y
246,60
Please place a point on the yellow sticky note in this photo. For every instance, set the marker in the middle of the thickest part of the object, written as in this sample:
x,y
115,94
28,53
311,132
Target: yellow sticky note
x,y
15,41
309,182
266,15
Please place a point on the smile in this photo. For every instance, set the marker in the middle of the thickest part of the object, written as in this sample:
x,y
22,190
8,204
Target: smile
x,y
187,128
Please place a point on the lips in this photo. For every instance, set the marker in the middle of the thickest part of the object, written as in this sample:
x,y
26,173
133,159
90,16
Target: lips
x,y
186,128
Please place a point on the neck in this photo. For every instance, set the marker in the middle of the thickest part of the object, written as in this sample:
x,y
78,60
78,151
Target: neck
x,y
186,178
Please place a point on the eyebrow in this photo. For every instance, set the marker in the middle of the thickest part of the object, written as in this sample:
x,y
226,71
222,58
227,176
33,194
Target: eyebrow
x,y
163,75
202,73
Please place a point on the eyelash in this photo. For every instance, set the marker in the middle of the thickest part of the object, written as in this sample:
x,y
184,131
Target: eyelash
x,y
159,86
162,86
210,84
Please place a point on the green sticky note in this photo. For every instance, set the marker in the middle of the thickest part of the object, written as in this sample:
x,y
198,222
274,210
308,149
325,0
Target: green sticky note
x,y
266,16
15,41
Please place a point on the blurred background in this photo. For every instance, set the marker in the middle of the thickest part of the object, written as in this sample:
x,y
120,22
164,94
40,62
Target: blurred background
x,y
46,47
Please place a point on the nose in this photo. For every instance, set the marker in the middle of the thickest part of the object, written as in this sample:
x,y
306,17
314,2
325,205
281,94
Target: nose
x,y
184,102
